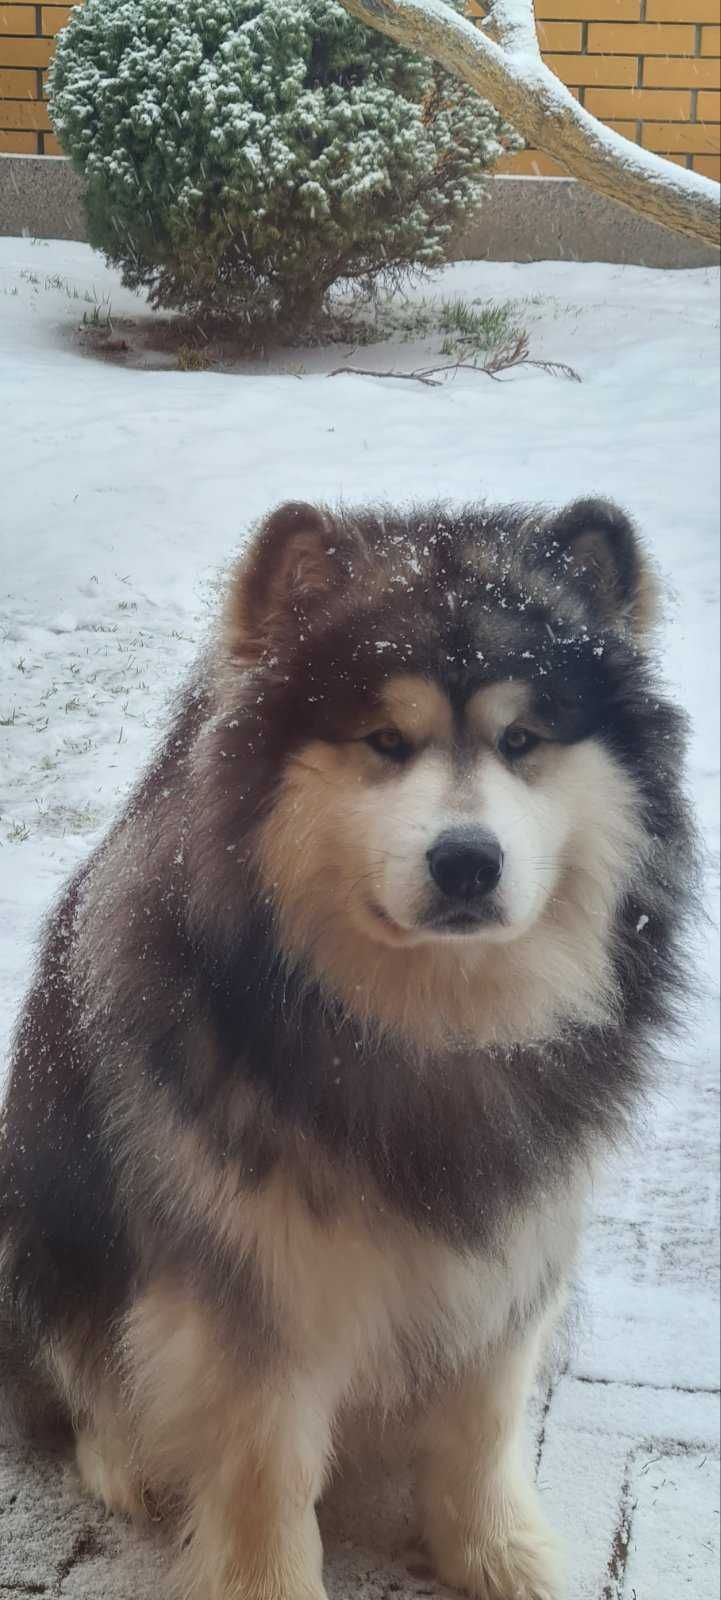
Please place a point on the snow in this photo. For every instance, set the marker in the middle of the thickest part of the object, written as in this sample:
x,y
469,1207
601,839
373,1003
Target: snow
x,y
513,23
124,493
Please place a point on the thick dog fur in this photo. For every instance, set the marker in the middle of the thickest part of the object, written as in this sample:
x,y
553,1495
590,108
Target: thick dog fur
x,y
278,1143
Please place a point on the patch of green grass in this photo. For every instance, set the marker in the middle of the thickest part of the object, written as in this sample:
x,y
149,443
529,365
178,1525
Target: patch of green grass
x,y
63,819
463,328
190,360
101,315
476,327
78,747
18,833
55,280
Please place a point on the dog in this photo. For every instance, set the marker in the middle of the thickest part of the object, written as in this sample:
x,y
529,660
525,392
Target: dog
x,y
329,1033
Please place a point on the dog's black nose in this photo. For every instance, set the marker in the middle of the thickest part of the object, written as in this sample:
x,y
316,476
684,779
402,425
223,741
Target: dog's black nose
x,y
466,863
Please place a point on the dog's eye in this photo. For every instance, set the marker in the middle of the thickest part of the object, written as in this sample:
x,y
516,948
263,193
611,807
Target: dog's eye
x,y
517,741
389,742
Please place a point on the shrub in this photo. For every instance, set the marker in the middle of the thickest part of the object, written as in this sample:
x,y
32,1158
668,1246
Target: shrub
x,y
241,156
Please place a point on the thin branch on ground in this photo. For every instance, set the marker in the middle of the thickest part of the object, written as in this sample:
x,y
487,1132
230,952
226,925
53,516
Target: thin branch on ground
x,y
368,372
505,359
517,355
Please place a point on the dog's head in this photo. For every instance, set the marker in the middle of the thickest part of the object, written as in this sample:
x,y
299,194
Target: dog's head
x,y
442,699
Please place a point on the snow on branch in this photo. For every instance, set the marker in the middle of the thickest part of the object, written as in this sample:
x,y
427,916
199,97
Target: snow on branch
x,y
501,60
512,24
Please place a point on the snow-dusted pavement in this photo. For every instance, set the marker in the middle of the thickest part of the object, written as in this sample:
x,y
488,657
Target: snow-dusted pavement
x,y
122,493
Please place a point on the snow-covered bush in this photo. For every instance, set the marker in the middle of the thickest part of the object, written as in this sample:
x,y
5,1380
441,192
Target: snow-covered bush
x,y
241,156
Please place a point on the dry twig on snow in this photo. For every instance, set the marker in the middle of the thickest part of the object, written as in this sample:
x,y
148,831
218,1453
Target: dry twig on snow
x,y
502,360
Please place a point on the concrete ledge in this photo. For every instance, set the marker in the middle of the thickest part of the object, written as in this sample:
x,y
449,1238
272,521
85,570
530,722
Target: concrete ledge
x,y
559,219
521,219
40,198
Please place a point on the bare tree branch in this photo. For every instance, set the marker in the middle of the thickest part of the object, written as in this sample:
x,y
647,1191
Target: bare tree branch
x,y
503,360
502,62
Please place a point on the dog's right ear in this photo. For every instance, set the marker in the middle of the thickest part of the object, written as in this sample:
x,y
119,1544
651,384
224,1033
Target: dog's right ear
x,y
287,569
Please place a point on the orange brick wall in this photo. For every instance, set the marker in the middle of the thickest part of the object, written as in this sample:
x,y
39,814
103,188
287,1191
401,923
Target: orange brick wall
x,y
649,68
26,44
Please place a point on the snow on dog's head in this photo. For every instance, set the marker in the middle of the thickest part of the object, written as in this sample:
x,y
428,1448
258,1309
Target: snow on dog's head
x,y
450,711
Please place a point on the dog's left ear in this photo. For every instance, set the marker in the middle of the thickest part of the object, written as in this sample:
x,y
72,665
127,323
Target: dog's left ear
x,y
594,547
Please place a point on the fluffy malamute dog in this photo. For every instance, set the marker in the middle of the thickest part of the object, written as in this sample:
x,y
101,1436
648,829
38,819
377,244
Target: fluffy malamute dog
x,y
328,1033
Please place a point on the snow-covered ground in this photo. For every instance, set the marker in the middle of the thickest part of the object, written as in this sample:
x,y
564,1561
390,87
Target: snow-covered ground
x,y
122,495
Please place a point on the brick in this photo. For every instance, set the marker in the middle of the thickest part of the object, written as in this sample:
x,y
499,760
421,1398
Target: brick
x,y
55,17
611,71
682,74
643,39
701,138
593,10
674,104
53,146
669,104
18,144
17,19
628,129
24,114
24,52
711,41
710,166
682,10
560,35
709,107
18,86
531,163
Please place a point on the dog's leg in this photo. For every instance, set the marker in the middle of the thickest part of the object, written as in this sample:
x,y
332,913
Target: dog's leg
x,y
103,1457
479,1509
87,1379
244,1447
251,1531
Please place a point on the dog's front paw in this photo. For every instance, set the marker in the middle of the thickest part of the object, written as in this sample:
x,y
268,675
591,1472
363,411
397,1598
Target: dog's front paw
x,y
518,1563
103,1462
219,1560
268,1586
